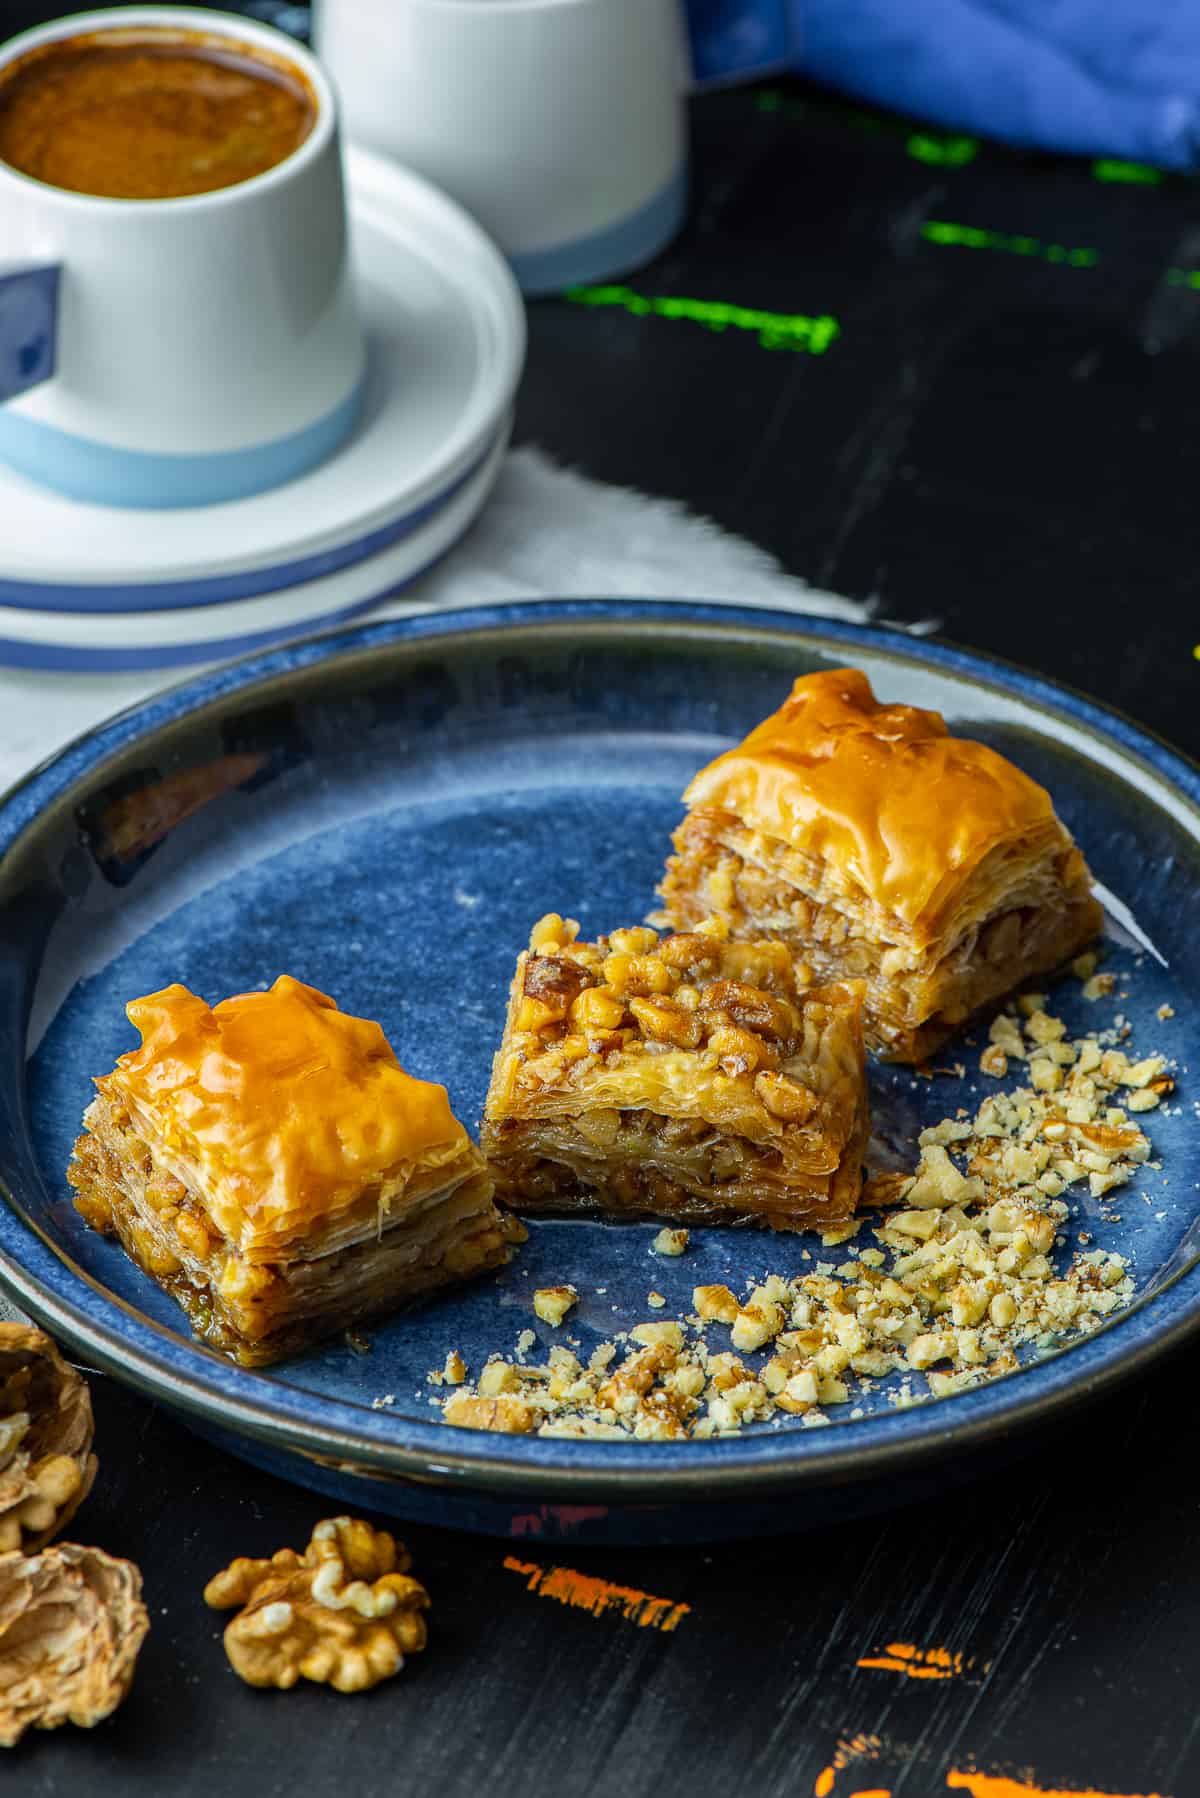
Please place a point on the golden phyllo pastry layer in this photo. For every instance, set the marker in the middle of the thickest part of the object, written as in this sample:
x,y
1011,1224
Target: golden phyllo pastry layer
x,y
686,1078
877,846
272,1165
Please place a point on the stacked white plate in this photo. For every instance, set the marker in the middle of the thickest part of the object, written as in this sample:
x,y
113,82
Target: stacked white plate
x,y
95,587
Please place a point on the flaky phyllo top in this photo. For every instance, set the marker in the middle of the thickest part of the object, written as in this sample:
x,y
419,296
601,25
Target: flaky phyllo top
x,y
686,1026
292,1123
879,803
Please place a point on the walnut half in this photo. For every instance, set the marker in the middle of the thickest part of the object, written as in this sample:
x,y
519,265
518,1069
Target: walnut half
x,y
46,1463
71,1624
344,1613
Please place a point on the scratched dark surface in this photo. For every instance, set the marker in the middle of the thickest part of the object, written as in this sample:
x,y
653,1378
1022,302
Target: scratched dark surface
x,y
1002,439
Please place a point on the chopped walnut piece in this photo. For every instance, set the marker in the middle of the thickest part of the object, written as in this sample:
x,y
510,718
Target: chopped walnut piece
x,y
552,932
785,1098
1141,1073
498,1377
506,1416
670,1242
553,1302
1005,1033
973,1270
46,1463
882,1190
648,1334
71,1624
344,1613
715,1302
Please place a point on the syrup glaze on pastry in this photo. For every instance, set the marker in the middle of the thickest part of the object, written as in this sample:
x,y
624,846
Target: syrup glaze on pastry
x,y
272,1166
879,847
883,795
280,1106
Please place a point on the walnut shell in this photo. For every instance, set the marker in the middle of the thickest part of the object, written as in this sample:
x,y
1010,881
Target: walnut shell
x,y
71,1624
46,1463
343,1614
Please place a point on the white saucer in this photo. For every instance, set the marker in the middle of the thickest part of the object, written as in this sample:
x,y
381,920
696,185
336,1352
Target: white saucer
x,y
446,330
95,642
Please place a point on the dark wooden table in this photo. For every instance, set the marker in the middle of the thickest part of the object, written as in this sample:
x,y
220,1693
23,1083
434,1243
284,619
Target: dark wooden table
x,y
1001,437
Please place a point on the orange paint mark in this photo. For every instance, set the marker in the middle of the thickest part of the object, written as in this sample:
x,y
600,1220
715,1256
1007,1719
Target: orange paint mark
x,y
853,1748
916,1663
856,1748
597,1596
990,1785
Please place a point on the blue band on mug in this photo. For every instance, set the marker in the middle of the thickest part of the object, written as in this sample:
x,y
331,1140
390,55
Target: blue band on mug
x,y
102,474
614,251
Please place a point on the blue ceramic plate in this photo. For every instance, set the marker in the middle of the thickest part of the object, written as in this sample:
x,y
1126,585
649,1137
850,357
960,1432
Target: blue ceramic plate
x,y
384,813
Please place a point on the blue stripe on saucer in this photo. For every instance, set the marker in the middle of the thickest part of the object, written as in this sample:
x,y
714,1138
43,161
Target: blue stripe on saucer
x,y
102,474
253,583
69,658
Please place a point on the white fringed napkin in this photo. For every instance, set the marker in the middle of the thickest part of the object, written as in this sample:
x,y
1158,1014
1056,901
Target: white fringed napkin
x,y
546,533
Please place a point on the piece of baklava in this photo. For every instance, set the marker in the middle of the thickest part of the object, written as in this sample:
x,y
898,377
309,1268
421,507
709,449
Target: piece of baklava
x,y
688,1078
272,1166
877,846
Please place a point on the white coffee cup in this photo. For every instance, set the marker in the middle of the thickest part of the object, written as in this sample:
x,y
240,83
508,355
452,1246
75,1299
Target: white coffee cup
x,y
179,351
559,123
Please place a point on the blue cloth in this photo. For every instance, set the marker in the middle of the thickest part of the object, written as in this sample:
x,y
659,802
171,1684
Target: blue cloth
x,y
1096,77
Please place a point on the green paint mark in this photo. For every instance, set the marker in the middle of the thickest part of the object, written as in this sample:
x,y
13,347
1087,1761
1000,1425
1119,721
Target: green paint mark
x,y
775,330
944,149
970,237
944,152
1183,277
772,99
1108,168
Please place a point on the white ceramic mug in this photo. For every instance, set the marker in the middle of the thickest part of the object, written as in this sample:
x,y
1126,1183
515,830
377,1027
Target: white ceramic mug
x,y
559,123
179,351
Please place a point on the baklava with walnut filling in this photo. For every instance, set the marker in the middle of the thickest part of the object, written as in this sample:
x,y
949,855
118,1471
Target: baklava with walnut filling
x,y
273,1167
878,846
688,1078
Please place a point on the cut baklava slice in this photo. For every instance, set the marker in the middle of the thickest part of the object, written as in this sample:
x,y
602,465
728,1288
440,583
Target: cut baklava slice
x,y
879,847
685,1078
272,1166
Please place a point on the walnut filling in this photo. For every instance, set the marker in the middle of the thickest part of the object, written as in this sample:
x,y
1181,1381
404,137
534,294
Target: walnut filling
x,y
688,1077
915,997
968,1274
662,1167
260,1312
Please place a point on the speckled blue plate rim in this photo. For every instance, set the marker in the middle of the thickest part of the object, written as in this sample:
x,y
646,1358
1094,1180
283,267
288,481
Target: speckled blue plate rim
x,y
179,1372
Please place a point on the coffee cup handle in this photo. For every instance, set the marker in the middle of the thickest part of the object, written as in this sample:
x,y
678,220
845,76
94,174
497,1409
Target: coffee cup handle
x,y
28,325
